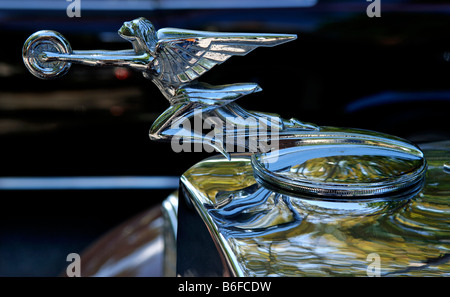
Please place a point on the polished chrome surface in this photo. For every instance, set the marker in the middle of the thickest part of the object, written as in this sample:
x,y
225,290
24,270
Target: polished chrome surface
x,y
341,163
269,233
228,120
171,58
41,44
47,54
169,209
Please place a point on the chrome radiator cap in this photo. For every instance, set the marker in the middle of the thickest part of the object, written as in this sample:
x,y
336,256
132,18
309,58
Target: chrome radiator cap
x,y
341,163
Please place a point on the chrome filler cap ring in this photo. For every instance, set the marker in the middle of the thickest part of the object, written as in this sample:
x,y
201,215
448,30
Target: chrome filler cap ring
x,y
342,163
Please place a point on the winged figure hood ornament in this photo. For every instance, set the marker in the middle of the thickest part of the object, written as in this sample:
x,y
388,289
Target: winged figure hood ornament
x,y
301,157
178,57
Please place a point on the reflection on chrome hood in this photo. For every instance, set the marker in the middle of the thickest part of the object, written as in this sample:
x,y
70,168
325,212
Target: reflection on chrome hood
x,y
265,232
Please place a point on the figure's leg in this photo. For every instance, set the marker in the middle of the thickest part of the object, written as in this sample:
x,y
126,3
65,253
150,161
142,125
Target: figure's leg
x,y
161,128
175,124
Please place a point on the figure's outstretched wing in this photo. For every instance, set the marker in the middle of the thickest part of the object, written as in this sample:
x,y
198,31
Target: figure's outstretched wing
x,y
184,55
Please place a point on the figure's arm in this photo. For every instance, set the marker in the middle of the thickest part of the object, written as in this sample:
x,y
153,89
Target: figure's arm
x,y
124,58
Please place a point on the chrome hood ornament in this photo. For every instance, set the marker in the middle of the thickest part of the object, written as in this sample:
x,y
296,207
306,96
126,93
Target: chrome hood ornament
x,y
293,156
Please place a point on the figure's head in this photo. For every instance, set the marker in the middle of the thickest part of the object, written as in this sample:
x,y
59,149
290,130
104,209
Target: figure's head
x,y
141,33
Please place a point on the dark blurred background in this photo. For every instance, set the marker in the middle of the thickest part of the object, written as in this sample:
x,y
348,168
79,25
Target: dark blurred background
x,y
346,69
